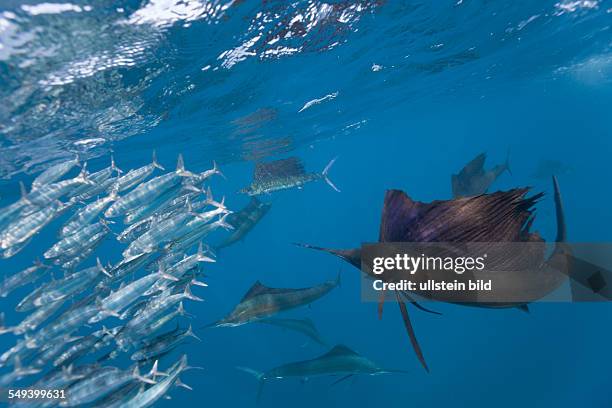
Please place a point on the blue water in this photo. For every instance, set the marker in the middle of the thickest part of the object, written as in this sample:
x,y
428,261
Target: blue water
x,y
405,93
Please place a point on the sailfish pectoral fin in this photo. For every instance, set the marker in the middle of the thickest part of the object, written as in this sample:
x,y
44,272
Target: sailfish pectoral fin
x,y
418,305
339,380
523,308
410,330
560,214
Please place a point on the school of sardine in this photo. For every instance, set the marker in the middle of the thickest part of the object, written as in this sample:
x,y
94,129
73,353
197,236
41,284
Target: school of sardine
x,y
79,319
81,322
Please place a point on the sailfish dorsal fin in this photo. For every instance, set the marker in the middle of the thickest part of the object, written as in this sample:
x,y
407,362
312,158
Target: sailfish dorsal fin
x,y
503,216
278,169
476,166
340,350
257,289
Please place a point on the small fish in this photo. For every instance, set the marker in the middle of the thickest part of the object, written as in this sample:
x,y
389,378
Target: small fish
x,y
55,380
10,356
198,229
53,349
304,326
69,263
139,325
117,398
340,360
3,327
163,320
69,286
101,180
201,177
147,191
148,397
23,277
27,303
19,372
133,310
284,174
80,348
103,382
10,213
162,344
128,266
135,230
14,249
117,301
177,205
170,230
261,302
473,180
73,244
54,173
157,205
37,317
65,323
25,228
180,269
165,261
245,220
85,216
136,176
49,193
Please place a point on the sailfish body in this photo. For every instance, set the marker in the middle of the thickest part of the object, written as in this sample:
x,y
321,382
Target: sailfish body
x,y
340,360
245,220
474,180
499,217
261,301
284,174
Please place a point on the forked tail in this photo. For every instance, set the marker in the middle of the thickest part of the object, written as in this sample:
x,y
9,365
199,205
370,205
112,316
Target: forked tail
x,y
325,173
260,377
155,163
180,168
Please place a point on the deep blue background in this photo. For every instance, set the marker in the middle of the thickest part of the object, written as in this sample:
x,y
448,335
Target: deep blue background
x,y
543,93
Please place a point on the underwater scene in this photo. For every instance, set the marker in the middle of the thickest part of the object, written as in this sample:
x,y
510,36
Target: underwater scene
x,y
191,191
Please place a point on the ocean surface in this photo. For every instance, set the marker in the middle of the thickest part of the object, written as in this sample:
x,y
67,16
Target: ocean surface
x,y
404,94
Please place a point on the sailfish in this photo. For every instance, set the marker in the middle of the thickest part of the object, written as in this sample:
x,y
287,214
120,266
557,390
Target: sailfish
x,y
497,217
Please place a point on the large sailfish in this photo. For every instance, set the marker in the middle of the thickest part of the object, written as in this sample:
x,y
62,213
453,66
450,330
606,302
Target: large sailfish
x,y
497,217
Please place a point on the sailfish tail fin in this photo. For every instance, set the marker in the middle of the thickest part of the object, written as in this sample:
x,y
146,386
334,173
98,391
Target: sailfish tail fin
x,y
326,172
258,375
